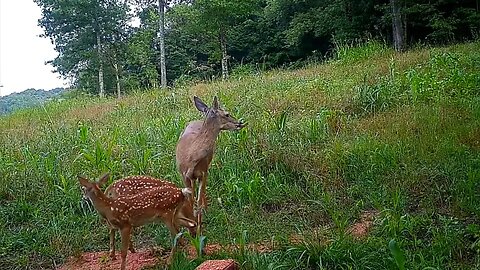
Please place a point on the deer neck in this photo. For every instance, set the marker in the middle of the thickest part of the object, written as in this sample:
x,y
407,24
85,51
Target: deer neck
x,y
209,132
102,204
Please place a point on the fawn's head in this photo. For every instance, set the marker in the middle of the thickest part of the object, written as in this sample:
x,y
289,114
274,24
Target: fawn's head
x,y
220,116
92,189
184,215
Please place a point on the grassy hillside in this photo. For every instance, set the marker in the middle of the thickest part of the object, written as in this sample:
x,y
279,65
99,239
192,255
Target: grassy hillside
x,y
395,135
27,98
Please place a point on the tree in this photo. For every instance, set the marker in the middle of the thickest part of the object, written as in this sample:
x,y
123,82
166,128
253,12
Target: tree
x,y
397,28
140,57
81,30
217,18
161,37
161,7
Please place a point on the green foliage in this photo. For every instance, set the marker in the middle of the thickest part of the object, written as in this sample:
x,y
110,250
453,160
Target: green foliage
x,y
199,242
27,98
264,34
351,52
443,77
88,36
323,145
397,254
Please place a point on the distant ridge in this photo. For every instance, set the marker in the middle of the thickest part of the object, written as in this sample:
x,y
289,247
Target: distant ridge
x,y
28,98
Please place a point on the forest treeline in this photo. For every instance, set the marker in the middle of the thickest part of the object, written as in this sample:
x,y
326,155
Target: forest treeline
x,y
116,46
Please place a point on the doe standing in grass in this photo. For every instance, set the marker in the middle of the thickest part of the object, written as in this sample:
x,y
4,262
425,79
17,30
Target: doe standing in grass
x,y
196,146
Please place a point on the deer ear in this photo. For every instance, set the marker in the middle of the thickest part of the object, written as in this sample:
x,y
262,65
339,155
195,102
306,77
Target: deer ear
x,y
83,181
103,179
201,106
215,103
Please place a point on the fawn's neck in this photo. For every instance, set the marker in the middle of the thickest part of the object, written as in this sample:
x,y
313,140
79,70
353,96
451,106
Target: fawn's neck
x,y
102,204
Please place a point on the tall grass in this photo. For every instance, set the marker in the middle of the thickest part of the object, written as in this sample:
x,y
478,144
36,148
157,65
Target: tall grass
x,y
371,130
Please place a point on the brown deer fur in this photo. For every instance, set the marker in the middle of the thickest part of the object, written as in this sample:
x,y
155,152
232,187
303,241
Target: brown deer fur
x,y
196,146
163,203
132,185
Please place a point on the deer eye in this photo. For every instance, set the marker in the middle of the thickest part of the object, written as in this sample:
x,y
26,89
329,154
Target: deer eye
x,y
227,115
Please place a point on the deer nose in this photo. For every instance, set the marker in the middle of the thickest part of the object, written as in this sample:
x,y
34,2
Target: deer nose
x,y
241,124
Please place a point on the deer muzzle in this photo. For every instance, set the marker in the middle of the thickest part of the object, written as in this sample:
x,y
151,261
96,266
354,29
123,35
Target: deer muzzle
x,y
240,125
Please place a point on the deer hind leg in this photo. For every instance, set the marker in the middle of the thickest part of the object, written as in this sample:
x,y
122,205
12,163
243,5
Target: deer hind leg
x,y
189,181
201,202
126,233
202,191
188,178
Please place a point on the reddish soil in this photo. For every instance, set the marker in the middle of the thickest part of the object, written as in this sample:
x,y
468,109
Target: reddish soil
x,y
218,265
102,261
211,249
361,228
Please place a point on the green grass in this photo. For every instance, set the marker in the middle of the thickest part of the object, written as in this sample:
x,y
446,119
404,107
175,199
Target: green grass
x,y
370,130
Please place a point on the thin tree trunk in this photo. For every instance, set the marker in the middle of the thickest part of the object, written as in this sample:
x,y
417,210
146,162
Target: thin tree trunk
x,y
397,27
100,68
223,47
117,75
163,69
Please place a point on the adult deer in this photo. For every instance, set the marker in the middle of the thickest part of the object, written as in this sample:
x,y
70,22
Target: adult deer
x,y
165,203
196,146
133,185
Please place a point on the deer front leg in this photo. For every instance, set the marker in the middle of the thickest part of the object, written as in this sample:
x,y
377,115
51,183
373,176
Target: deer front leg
x,y
130,245
112,243
173,232
126,232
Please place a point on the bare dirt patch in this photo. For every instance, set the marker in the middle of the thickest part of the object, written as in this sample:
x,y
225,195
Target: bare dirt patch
x,y
361,228
212,249
102,261
150,257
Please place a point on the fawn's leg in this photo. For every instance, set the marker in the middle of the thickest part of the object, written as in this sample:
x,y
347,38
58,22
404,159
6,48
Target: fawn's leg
x,y
112,243
125,231
130,245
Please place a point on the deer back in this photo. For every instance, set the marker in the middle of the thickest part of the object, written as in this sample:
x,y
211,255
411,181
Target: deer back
x,y
132,185
167,203
148,206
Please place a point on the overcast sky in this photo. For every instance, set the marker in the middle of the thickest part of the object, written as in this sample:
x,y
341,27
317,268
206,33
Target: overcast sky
x,y
22,52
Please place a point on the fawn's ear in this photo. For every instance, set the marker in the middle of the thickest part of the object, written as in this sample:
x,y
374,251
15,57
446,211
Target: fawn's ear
x,y
103,179
215,104
83,181
201,106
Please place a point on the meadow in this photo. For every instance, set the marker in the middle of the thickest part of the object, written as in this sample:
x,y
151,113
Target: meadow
x,y
396,135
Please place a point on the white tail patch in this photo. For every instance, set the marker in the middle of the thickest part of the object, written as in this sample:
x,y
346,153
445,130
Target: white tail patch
x,y
187,192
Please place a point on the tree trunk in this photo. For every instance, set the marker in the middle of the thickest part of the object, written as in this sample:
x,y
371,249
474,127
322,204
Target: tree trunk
x,y
100,68
397,27
117,75
161,34
223,47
